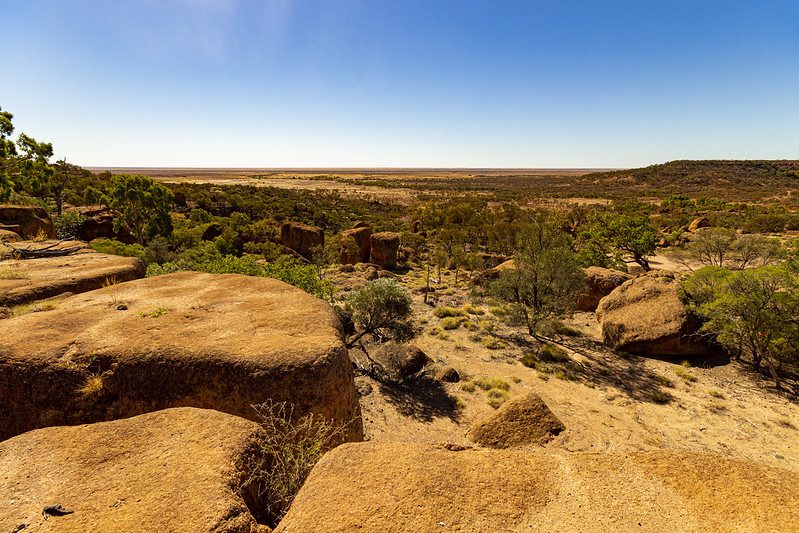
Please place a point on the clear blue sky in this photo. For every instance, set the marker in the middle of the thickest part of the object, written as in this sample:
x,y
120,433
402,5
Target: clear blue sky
x,y
462,83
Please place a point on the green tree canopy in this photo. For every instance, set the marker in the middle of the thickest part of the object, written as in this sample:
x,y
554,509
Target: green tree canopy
x,y
382,309
752,313
144,205
615,234
22,160
547,277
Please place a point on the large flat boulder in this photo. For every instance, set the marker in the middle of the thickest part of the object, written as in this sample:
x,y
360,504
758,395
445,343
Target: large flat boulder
x,y
29,222
222,342
172,470
403,487
646,316
26,280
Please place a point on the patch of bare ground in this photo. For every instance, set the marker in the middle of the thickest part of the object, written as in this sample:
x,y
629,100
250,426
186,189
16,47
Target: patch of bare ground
x,y
608,402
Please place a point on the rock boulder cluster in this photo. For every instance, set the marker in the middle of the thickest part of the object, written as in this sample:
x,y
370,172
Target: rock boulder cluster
x,y
360,245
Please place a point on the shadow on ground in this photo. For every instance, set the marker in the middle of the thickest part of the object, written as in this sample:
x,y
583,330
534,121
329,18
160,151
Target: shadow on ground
x,y
422,398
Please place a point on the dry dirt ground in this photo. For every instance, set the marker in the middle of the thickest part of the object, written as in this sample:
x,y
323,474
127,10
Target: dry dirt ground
x,y
608,402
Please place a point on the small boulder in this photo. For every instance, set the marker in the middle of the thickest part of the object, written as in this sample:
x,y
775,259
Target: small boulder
x,y
600,282
33,222
371,274
448,374
646,316
9,236
522,421
401,360
697,223
384,249
6,312
356,245
301,238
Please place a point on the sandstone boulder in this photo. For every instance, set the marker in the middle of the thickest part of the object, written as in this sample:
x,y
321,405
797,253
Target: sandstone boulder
x,y
448,374
490,274
301,238
401,360
600,282
384,249
28,222
522,421
9,236
356,245
697,223
646,316
37,279
371,487
222,342
172,470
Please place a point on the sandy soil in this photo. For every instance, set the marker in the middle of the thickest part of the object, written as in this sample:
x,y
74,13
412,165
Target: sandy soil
x,y
608,403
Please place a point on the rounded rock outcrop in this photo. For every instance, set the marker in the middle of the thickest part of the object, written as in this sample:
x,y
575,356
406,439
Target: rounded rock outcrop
x,y
646,316
219,341
384,249
522,421
371,487
172,470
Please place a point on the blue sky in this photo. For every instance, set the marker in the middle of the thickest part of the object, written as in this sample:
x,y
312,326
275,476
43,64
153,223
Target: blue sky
x,y
403,83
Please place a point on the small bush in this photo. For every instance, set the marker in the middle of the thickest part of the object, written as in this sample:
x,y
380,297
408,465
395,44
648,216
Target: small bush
x,y
447,312
158,312
468,386
450,323
553,354
474,310
685,375
497,397
493,344
92,386
487,384
660,397
716,394
288,449
7,274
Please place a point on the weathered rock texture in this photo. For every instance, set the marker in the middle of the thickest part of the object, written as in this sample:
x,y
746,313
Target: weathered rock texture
x,y
400,487
384,249
9,236
172,470
222,342
698,223
646,316
600,282
28,222
523,421
301,238
51,276
401,360
355,245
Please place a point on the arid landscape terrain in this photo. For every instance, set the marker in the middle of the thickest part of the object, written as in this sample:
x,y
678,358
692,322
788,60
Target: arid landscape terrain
x,y
453,350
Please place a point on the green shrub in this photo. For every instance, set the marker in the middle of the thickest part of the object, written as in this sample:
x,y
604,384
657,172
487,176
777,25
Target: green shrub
x,y
109,246
288,448
447,312
450,323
